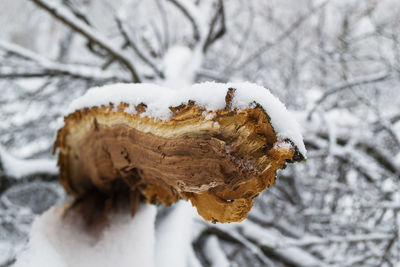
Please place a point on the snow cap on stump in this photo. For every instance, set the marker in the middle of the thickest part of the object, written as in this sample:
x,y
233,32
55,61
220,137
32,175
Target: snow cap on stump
x,y
217,145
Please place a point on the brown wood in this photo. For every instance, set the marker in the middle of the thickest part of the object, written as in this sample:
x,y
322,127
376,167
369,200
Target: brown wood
x,y
219,164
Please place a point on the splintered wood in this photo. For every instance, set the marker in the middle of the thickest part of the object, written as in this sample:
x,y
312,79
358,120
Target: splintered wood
x,y
218,160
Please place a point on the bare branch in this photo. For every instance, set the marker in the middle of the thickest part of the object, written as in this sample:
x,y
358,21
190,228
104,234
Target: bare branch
x,y
132,44
366,146
206,73
78,12
338,239
348,84
212,37
384,205
286,248
261,248
185,10
165,23
286,34
68,18
387,126
395,119
90,75
159,38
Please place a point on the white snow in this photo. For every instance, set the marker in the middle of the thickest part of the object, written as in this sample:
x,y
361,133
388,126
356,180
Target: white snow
x,y
209,95
283,145
180,64
173,246
5,252
63,242
214,253
18,168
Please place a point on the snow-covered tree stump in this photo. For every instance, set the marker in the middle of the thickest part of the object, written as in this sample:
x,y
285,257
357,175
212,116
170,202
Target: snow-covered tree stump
x,y
217,145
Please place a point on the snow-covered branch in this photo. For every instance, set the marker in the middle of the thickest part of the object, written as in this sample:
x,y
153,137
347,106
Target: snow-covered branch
x,y
309,241
384,205
258,241
381,158
214,253
214,35
50,68
18,168
235,237
23,53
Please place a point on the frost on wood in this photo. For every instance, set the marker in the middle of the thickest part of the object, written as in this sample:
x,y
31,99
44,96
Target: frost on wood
x,y
219,155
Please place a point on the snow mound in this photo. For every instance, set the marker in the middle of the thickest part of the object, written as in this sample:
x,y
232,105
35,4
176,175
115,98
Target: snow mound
x,y
63,242
209,95
214,253
174,236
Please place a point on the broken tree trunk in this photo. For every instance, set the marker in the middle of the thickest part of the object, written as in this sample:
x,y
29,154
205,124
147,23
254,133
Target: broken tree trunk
x,y
219,160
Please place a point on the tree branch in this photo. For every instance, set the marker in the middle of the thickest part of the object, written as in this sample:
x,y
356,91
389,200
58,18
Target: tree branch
x,y
347,84
132,44
185,10
77,12
60,73
18,171
212,37
68,18
338,239
288,32
164,19
383,161
235,237
52,69
209,74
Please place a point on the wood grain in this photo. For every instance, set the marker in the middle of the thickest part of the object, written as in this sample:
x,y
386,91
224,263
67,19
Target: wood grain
x,y
219,161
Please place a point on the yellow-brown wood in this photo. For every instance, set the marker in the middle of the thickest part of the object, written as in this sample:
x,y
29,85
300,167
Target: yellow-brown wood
x,y
218,160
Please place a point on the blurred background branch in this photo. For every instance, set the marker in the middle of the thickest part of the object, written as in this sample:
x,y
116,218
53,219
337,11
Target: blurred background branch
x,y
334,63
